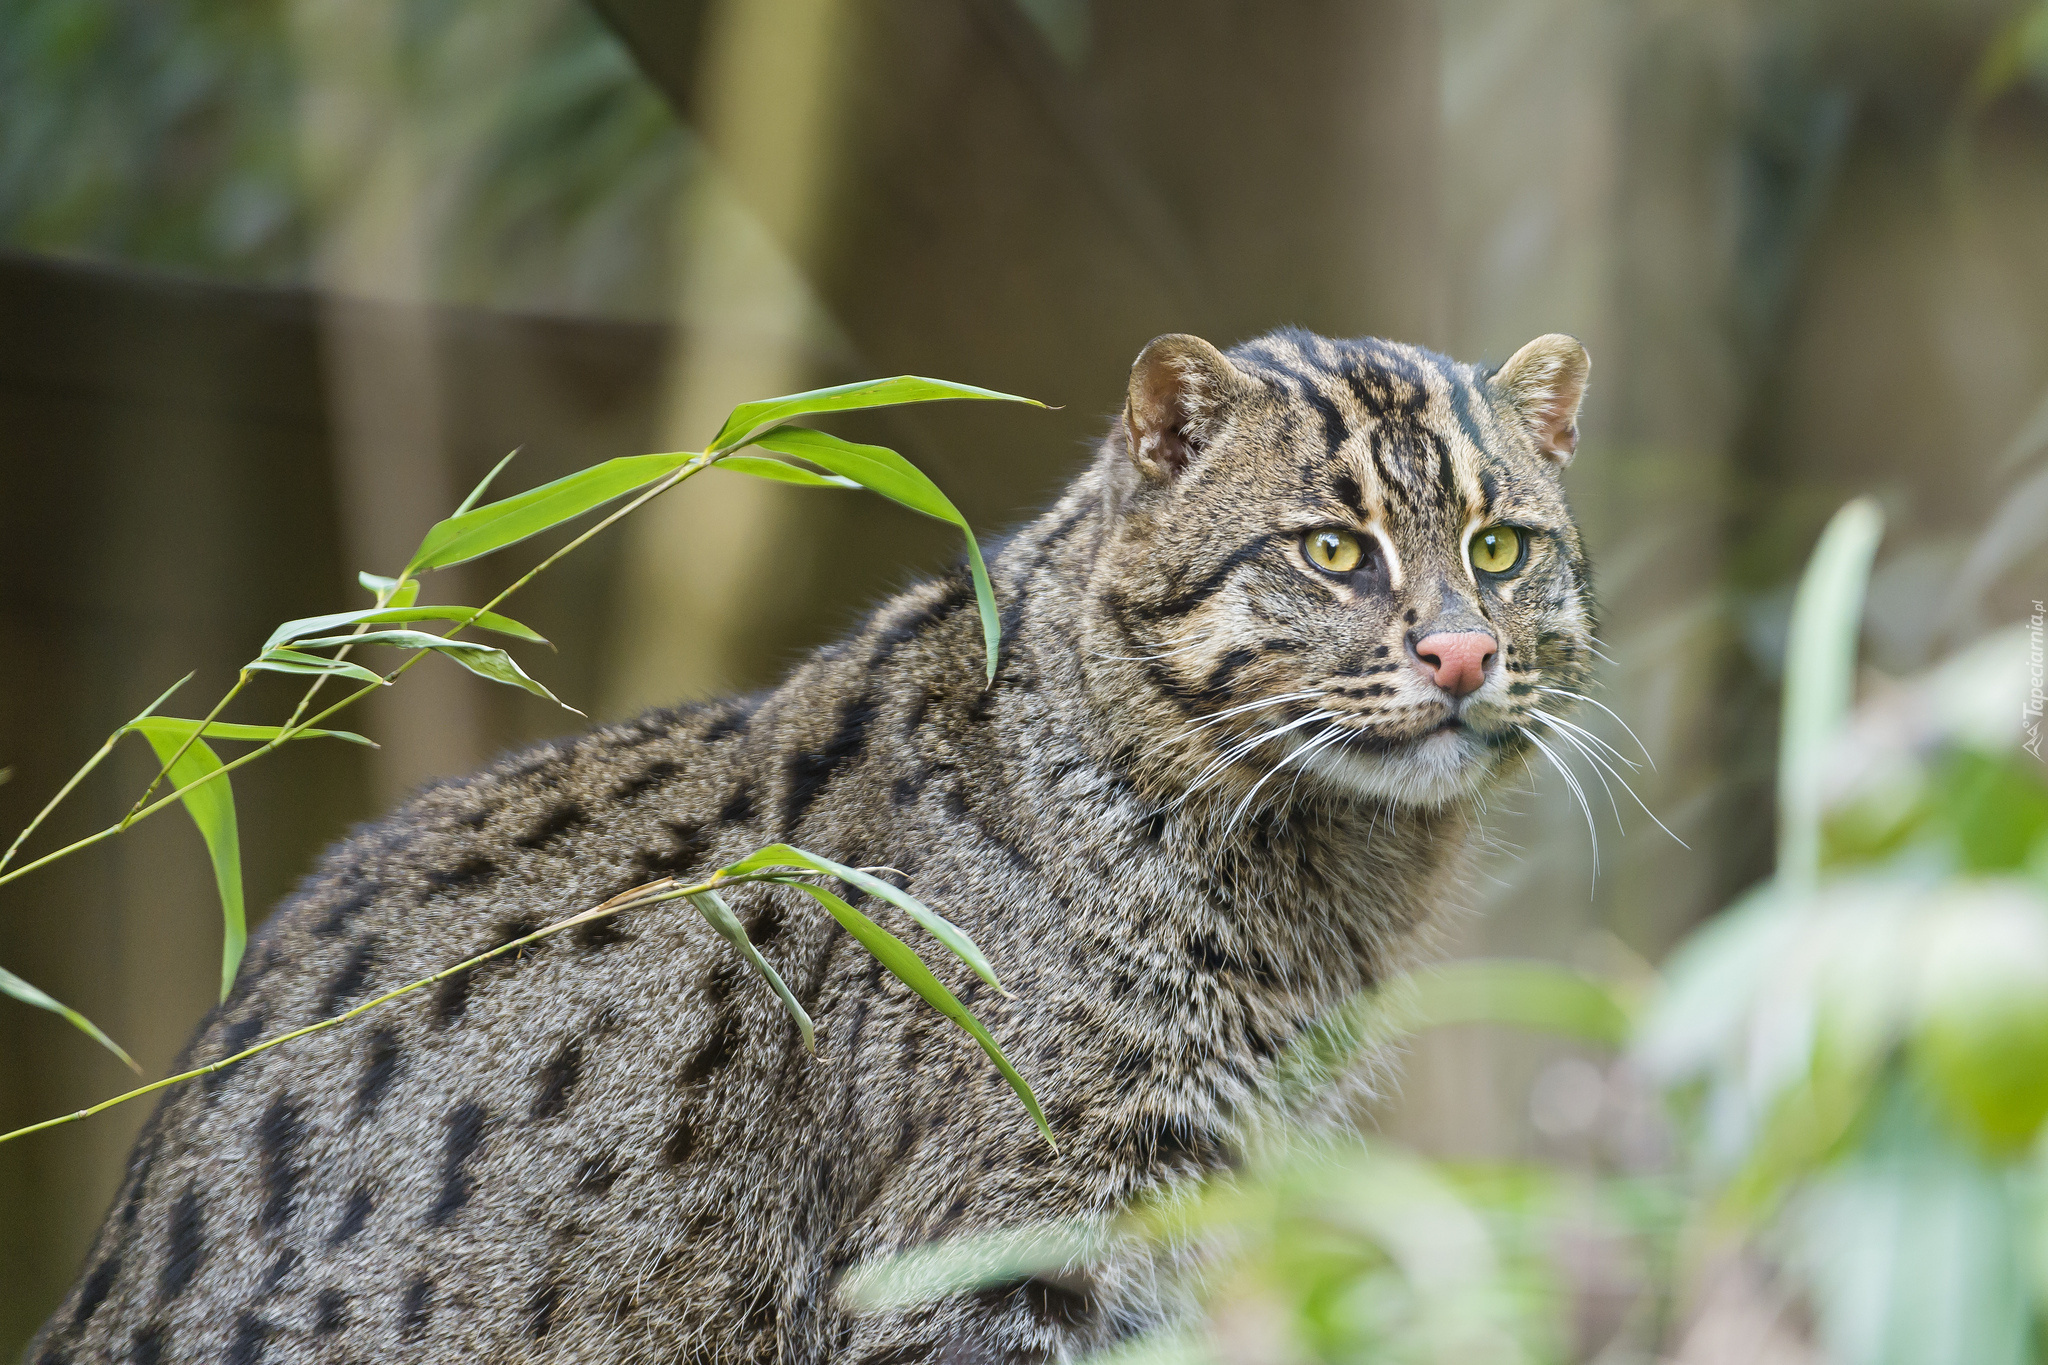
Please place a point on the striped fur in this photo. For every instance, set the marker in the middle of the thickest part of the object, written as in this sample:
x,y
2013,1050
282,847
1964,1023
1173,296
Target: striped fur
x,y
615,1148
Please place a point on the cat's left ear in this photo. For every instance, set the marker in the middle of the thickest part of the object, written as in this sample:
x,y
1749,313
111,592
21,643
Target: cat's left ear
x,y
1544,383
1178,385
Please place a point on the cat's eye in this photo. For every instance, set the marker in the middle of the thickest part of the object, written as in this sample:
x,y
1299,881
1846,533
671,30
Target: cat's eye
x,y
1336,551
1497,549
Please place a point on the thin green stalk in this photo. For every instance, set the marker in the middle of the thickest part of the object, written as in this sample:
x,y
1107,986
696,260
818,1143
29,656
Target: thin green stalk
x,y
632,899
241,681
695,466
62,792
701,463
384,598
81,774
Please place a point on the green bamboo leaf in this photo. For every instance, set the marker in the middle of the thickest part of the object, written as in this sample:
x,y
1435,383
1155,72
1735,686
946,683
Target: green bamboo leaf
x,y
497,665
395,639
719,916
222,730
510,520
476,494
761,467
30,995
482,660
749,419
292,631
292,661
393,592
893,953
873,467
212,808
935,924
1820,675
884,471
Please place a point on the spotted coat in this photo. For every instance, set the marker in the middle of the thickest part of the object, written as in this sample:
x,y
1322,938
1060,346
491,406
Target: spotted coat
x,y
615,1148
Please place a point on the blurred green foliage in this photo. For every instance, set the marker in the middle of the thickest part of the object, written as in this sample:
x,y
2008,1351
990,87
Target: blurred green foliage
x,y
1849,1067
174,133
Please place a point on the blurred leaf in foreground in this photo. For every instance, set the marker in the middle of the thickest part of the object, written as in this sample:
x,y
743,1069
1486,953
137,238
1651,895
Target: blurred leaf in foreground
x,y
1913,1248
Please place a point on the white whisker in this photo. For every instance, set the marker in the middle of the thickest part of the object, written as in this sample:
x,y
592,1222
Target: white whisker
x,y
1580,792
1580,696
1580,747
1149,658
1562,724
1300,754
1243,747
1602,763
1284,697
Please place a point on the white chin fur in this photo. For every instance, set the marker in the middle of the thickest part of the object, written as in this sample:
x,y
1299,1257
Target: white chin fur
x,y
1440,769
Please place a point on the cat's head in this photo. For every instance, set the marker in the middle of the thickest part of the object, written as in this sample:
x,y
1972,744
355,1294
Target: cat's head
x,y
1346,559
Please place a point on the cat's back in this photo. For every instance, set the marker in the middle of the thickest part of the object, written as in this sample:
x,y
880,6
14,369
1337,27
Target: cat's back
x,y
584,1148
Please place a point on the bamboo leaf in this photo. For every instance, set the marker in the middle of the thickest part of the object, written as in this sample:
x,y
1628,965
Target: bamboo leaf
x,y
396,639
212,808
935,924
30,995
761,467
291,631
719,916
896,955
498,666
393,592
883,471
482,660
1820,672
292,661
751,418
495,525
222,730
476,494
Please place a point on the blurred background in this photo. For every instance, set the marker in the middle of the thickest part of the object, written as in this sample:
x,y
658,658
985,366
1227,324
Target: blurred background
x,y
281,279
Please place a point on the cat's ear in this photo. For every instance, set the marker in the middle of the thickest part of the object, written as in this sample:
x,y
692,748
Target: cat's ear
x,y
1177,386
1544,383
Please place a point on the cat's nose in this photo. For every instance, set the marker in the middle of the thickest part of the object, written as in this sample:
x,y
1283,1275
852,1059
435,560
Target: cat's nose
x,y
1457,661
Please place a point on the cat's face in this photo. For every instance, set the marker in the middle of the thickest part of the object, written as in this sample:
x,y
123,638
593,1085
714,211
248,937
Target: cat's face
x,y
1350,560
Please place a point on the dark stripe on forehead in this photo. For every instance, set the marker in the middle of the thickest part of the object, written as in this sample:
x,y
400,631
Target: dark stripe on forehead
x,y
1347,491
1461,412
1376,382
1302,385
1381,436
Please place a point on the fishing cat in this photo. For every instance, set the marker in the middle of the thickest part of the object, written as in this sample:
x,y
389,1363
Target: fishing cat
x,y
1257,664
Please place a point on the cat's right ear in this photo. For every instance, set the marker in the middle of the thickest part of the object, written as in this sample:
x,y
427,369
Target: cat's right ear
x,y
1177,386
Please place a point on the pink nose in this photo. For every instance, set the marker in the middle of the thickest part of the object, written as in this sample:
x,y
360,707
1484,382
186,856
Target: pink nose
x,y
1457,662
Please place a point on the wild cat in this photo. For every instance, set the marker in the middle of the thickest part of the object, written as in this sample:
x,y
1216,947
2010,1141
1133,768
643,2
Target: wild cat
x,y
1258,664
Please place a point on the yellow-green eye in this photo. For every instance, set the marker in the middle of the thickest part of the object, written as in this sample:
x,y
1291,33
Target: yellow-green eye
x,y
1337,551
1497,549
